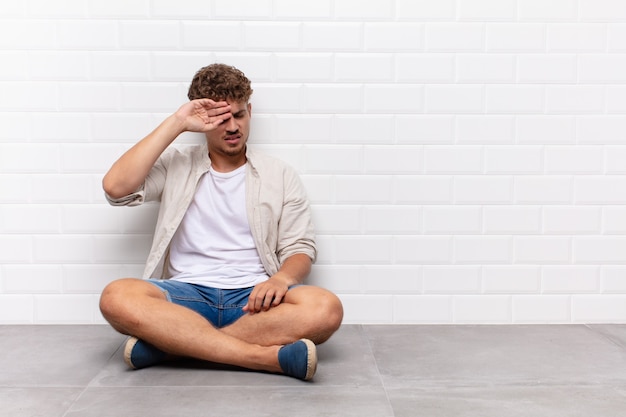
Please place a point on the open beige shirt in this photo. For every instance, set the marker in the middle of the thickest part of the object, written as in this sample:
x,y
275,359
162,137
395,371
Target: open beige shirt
x,y
278,209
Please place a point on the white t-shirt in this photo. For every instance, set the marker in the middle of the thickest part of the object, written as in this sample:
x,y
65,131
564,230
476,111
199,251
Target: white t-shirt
x,y
213,245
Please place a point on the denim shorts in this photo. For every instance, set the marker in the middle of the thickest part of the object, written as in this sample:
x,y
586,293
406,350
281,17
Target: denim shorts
x,y
220,307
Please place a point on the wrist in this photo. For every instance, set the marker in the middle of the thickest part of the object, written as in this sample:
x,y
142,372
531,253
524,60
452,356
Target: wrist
x,y
177,123
283,278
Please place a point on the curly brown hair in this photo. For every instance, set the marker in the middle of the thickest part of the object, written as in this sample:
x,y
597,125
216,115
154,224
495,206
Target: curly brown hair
x,y
220,82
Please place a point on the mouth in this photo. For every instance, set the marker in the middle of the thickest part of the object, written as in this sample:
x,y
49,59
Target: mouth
x,y
232,139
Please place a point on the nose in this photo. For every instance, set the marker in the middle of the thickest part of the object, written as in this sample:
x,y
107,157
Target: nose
x,y
231,125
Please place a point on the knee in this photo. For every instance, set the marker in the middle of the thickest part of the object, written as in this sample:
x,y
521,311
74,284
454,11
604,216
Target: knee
x,y
330,312
334,311
110,298
114,300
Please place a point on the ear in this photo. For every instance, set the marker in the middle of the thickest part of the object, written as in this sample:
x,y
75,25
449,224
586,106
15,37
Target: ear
x,y
250,109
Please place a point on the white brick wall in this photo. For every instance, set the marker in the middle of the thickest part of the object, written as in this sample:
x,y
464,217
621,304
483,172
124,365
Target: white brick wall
x,y
464,158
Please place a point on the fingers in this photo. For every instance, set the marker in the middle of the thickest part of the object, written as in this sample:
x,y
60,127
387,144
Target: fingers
x,y
204,115
264,297
213,108
217,114
209,108
214,121
260,302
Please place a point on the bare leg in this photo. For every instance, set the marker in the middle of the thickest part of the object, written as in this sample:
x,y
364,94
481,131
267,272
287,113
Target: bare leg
x,y
306,312
138,308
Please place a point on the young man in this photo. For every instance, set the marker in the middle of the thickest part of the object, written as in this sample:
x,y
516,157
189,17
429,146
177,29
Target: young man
x,y
232,246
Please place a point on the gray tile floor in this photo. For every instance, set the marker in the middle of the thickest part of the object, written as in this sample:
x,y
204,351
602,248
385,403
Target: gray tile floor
x,y
378,370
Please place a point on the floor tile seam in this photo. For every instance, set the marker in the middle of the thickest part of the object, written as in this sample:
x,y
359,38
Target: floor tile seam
x,y
449,384
380,376
453,384
604,335
97,374
42,386
72,403
371,353
241,387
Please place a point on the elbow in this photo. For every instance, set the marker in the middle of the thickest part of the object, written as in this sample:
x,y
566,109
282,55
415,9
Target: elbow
x,y
112,188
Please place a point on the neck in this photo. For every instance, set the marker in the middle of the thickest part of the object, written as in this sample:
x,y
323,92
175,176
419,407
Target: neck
x,y
226,163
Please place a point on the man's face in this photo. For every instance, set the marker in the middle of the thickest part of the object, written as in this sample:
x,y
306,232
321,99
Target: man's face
x,y
228,140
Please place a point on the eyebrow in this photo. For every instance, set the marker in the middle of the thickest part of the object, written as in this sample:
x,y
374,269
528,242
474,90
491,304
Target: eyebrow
x,y
240,112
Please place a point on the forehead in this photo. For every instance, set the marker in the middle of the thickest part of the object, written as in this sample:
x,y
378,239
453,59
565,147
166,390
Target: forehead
x,y
237,106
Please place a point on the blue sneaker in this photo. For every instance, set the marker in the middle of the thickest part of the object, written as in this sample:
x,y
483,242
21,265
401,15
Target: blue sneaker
x,y
299,359
139,354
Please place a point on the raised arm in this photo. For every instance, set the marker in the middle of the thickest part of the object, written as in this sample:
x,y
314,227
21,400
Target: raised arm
x,y
132,168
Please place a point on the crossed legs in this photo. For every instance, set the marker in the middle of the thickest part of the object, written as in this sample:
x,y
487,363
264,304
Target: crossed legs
x,y
140,309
